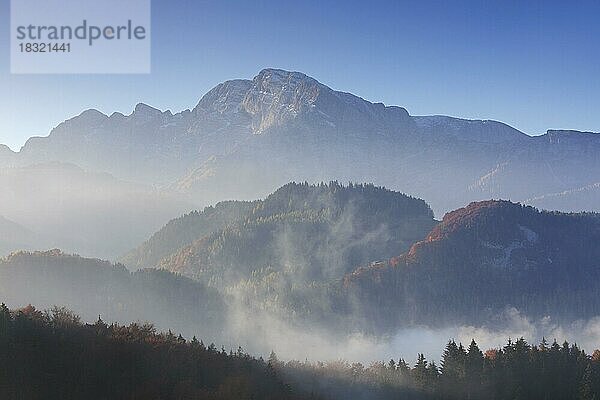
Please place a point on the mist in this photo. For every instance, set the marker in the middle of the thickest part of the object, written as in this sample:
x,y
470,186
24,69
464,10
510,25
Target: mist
x,y
263,333
88,213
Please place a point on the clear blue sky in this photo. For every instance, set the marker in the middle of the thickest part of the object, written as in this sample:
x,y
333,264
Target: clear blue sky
x,y
532,64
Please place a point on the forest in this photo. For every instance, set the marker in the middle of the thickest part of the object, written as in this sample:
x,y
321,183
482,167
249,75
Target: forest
x,y
52,354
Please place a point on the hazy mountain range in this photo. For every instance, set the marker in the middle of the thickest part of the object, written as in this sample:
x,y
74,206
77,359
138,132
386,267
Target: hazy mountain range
x,y
91,213
331,259
245,138
366,258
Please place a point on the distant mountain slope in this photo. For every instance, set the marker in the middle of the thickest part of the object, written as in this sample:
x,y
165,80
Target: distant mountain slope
x,y
469,130
93,287
559,161
92,213
483,258
575,200
245,138
15,237
183,231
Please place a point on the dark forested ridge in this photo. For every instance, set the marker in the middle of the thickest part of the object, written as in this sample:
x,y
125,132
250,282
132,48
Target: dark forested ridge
x,y
52,355
93,287
485,257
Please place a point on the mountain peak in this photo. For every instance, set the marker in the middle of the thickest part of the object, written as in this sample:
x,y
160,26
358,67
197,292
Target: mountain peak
x,y
276,97
280,76
471,215
4,149
145,109
91,115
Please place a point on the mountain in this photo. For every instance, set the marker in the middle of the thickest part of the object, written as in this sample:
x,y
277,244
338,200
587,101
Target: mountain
x,y
7,156
353,216
245,138
89,212
295,254
93,287
575,200
16,237
482,259
183,231
568,162
469,130
282,253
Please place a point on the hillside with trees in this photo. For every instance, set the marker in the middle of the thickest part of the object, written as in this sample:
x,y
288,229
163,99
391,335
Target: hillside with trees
x,y
286,253
353,212
293,256
483,258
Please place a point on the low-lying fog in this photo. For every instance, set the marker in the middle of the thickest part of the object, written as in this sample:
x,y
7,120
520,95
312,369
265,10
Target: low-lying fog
x,y
265,334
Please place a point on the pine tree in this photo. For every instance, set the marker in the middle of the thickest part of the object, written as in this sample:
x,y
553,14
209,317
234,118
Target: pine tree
x,y
403,368
392,365
5,318
473,369
420,372
586,388
433,375
273,360
453,368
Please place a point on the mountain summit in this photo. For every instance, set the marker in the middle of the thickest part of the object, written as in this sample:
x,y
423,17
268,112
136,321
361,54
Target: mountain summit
x,y
245,138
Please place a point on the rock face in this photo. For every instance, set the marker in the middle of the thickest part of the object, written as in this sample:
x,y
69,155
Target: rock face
x,y
247,137
501,254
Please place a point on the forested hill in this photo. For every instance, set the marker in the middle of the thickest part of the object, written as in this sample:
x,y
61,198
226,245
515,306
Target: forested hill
x,y
93,287
485,257
369,220
53,356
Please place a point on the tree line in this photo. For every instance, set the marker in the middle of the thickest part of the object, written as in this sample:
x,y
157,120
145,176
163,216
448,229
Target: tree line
x,y
516,371
53,355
